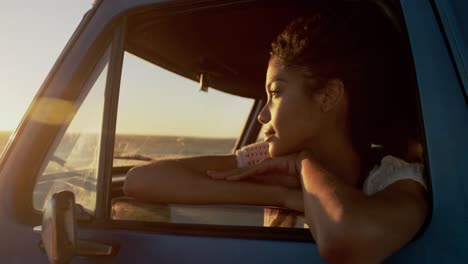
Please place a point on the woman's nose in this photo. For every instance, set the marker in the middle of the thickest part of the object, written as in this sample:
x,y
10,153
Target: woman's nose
x,y
264,115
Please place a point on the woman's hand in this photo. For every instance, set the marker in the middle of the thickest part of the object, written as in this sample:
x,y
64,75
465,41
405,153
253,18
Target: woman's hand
x,y
280,171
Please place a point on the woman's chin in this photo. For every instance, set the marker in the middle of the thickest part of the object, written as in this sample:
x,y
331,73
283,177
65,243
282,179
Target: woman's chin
x,y
275,150
272,150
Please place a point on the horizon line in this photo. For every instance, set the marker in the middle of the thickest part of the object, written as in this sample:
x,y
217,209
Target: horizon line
x,y
158,135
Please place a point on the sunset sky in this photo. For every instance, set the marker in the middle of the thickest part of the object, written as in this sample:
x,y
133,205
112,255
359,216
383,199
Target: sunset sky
x,y
153,101
33,33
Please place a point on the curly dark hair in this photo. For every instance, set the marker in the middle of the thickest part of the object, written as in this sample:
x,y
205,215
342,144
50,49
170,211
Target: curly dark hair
x,y
359,46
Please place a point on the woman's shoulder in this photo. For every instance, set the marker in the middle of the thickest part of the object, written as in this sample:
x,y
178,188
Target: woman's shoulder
x,y
391,170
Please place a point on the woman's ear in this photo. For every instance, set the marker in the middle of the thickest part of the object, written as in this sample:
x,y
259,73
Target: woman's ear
x,y
331,95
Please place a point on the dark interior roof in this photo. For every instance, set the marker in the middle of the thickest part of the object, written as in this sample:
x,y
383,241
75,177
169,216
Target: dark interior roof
x,y
229,44
228,41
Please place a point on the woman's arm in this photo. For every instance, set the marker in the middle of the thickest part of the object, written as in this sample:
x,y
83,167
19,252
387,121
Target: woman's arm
x,y
350,227
185,181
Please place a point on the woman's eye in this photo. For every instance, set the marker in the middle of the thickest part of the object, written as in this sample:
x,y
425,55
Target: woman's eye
x,y
274,93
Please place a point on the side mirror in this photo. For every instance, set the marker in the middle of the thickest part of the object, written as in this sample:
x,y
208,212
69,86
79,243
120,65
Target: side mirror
x,y
58,233
58,227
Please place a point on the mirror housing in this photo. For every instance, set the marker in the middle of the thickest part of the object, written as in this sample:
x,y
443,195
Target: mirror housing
x,y
58,231
58,227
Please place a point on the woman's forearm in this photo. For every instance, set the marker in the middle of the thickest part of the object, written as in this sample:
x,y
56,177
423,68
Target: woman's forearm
x,y
350,227
329,208
322,204
172,182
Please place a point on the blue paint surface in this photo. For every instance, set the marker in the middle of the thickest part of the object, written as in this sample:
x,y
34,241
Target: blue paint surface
x,y
445,118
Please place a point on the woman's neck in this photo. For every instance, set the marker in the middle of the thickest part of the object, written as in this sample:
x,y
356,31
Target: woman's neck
x,y
338,155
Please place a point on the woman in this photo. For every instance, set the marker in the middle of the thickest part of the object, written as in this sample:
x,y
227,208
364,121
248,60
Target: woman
x,y
322,76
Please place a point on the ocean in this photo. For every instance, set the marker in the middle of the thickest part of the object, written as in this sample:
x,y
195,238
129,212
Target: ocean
x,y
150,146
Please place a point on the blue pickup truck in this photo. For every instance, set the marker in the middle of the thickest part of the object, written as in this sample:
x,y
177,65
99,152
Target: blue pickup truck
x,y
62,172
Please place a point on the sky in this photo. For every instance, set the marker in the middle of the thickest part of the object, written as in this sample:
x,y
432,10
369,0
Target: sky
x,y
33,34
152,101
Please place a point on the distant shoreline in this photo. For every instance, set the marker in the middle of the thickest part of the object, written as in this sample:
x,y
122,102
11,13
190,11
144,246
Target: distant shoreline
x,y
154,146
154,135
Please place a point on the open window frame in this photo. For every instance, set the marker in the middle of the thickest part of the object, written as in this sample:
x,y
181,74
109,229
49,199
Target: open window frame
x,y
116,33
252,128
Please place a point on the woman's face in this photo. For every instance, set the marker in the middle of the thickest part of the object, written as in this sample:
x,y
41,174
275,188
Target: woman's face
x,y
292,117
